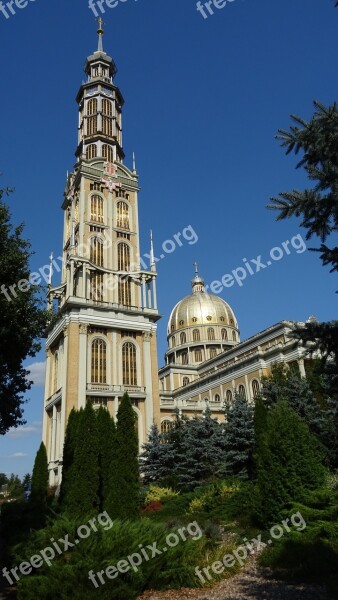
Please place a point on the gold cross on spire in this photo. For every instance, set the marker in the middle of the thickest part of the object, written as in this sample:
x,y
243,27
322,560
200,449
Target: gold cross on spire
x,y
196,268
101,23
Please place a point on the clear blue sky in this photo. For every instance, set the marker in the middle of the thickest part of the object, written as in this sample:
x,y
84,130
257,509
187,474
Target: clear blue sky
x,y
204,99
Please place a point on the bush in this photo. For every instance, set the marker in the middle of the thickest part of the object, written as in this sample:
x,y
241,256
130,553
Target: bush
x,y
156,493
67,577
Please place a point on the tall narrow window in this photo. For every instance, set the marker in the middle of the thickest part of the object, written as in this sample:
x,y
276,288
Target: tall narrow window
x,y
107,108
56,372
198,355
129,369
234,336
211,333
96,251
99,362
96,209
91,125
166,425
107,126
183,338
107,153
186,381
184,358
123,257
196,335
228,396
92,107
122,215
255,388
91,151
212,352
224,334
124,291
173,341
96,286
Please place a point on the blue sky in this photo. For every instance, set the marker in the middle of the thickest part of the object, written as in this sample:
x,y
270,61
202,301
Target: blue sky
x,y
204,99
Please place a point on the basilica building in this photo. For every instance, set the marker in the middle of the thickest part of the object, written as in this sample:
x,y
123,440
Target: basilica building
x,y
101,341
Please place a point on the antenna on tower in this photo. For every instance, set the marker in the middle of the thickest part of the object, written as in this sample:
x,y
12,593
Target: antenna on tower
x,y
100,32
134,162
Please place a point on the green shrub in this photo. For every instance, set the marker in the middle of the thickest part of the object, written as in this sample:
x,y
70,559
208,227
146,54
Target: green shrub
x,y
156,493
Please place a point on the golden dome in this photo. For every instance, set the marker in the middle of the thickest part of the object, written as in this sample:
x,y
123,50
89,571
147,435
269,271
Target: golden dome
x,y
201,308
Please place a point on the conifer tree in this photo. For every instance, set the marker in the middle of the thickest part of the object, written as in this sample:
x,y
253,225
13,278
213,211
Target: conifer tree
x,y
288,463
239,436
107,459
39,488
68,453
153,460
125,487
81,492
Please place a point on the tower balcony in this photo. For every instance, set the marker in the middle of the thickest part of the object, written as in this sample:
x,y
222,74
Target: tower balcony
x,y
118,390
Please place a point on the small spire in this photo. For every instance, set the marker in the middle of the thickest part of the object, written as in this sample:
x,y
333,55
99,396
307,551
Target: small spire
x,y
50,269
152,256
100,32
134,162
198,282
196,268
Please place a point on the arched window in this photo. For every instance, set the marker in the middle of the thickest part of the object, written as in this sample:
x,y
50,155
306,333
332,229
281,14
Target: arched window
x,y
91,125
228,396
122,215
107,153
196,335
198,355
91,151
166,425
217,398
56,373
255,388
212,352
124,291
224,334
123,257
107,108
173,341
186,380
183,338
107,126
92,107
241,391
99,362
96,209
211,333
234,336
129,370
232,322
96,251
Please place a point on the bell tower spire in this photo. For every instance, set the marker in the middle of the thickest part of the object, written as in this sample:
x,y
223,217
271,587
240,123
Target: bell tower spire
x,y
100,32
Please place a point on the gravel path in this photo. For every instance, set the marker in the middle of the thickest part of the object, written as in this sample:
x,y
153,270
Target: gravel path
x,y
251,583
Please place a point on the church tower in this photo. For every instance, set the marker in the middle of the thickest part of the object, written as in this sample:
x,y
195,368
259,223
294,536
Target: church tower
x,y
101,340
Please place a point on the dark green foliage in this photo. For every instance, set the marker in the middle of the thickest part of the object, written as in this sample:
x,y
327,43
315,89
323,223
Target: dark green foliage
x,y
123,501
107,457
15,487
68,454
239,436
67,577
22,320
82,486
317,140
39,489
288,463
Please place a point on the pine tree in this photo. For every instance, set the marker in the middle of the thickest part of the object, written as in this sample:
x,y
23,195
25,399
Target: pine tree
x,y
288,463
239,436
153,460
124,496
107,457
82,485
39,489
68,454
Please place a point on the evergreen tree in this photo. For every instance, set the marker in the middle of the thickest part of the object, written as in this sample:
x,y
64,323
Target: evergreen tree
x,y
239,436
39,489
68,454
124,495
153,460
107,457
81,490
288,463
22,320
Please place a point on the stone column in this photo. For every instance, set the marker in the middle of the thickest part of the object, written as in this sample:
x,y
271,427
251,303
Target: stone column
x,y
147,380
82,385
